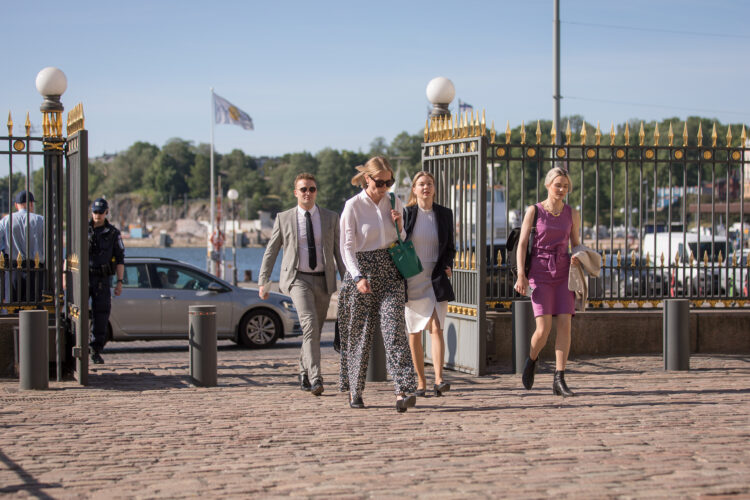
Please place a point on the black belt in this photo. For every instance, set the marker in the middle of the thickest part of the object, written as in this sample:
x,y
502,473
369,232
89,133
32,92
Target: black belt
x,y
322,273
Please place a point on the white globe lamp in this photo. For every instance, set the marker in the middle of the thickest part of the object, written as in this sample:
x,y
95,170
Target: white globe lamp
x,y
440,92
51,84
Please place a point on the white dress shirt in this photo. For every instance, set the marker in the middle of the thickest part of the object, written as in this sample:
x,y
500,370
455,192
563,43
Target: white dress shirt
x,y
304,255
366,226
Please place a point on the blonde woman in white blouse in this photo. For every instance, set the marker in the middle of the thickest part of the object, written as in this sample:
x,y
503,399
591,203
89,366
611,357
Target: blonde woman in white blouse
x,y
429,227
372,295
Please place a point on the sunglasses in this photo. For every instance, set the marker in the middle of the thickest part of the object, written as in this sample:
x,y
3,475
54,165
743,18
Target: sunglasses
x,y
98,212
305,189
380,184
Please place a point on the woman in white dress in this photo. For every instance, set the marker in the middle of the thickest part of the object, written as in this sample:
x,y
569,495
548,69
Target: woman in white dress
x,y
429,227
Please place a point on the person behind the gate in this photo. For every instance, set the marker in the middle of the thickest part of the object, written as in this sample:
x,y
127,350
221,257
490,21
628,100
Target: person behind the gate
x,y
27,229
372,296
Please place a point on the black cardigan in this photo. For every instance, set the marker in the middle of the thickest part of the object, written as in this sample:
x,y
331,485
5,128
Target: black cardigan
x,y
446,247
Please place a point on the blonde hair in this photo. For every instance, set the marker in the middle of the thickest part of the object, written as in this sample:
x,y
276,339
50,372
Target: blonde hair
x,y
374,166
412,198
557,172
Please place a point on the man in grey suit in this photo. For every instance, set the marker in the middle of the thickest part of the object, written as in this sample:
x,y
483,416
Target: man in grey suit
x,y
308,270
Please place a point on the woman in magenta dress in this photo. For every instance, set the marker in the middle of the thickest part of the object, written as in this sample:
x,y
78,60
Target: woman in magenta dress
x,y
557,227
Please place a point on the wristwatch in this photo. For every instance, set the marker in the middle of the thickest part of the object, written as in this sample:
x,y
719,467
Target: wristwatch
x,y
358,277
120,281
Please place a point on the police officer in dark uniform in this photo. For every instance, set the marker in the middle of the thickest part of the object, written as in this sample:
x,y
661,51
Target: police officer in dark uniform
x,y
106,258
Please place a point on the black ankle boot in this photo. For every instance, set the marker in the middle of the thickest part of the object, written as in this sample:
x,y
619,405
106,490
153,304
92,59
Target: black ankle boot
x,y
528,373
559,387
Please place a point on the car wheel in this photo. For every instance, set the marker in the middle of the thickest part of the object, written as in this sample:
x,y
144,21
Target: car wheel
x,y
260,328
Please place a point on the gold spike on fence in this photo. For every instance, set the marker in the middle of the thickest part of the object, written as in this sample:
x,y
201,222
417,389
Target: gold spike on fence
x,y
677,258
632,258
612,135
27,125
36,260
10,125
568,134
656,135
720,258
76,119
627,134
483,125
492,133
700,134
743,137
598,134
670,135
427,130
641,136
2,261
507,132
729,136
523,133
538,133
583,134
705,258
473,261
684,136
499,257
19,261
648,259
553,134
714,136
661,259
618,258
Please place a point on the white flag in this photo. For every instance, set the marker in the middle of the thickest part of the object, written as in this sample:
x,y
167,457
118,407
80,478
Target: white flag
x,y
226,112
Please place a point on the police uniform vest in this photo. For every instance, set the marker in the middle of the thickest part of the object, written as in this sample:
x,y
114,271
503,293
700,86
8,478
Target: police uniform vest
x,y
102,248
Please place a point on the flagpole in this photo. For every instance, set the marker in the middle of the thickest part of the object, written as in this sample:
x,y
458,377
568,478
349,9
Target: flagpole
x,y
209,262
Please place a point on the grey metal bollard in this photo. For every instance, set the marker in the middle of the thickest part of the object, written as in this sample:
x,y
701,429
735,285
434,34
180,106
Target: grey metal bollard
x,y
676,334
523,328
203,345
376,371
33,350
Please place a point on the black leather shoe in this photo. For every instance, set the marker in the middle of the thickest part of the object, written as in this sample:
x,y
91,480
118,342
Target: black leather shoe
x,y
441,388
406,402
356,402
559,387
528,373
422,393
317,387
304,382
96,358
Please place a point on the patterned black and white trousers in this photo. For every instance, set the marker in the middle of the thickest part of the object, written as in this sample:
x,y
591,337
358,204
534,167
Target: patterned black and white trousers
x,y
360,315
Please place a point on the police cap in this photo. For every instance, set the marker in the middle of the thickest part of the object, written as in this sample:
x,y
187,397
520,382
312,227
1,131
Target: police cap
x,y
100,205
23,196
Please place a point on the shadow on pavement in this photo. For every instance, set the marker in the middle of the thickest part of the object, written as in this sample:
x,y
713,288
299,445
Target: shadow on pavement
x,y
29,485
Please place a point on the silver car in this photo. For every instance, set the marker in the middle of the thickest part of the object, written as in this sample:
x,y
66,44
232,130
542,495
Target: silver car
x,y
157,292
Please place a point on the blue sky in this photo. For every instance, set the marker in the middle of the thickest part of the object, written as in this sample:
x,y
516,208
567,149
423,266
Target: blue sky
x,y
340,73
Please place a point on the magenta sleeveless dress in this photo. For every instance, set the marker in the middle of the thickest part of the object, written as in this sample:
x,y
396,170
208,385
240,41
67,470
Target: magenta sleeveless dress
x,y
550,263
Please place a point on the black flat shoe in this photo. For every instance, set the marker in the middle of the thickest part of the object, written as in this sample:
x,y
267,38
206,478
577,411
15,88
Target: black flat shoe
x,y
422,393
559,387
97,358
356,402
304,382
528,373
317,387
406,402
441,388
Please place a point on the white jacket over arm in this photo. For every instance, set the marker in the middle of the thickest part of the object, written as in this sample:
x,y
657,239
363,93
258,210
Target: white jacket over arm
x,y
589,264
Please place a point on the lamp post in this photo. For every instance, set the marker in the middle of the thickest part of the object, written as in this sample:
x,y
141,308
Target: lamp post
x,y
51,83
440,92
233,194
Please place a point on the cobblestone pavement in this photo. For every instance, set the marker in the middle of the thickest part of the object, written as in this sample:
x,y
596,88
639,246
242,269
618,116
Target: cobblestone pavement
x,y
141,430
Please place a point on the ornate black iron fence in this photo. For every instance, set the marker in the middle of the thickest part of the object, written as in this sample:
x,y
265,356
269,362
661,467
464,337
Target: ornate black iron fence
x,y
668,215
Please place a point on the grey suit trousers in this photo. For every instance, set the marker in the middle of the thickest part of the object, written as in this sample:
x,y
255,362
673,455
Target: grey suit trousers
x,y
311,299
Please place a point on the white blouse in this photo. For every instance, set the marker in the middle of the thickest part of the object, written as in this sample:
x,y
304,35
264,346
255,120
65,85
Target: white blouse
x,y
425,236
366,226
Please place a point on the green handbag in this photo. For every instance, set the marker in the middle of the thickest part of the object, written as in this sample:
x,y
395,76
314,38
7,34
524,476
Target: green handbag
x,y
403,253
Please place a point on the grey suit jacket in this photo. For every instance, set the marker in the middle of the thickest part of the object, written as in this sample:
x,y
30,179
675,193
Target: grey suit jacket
x,y
285,235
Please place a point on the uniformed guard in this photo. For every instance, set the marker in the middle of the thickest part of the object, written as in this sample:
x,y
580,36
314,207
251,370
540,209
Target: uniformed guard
x,y
106,258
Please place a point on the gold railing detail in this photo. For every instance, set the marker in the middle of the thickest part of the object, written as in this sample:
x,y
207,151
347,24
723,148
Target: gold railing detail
x,y
76,119
598,134
641,136
700,134
670,135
